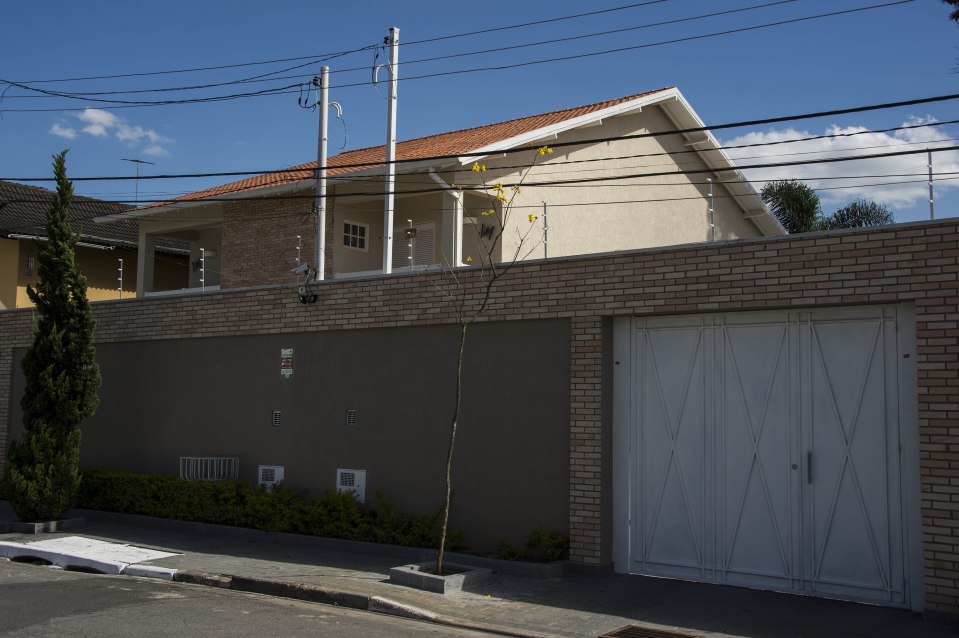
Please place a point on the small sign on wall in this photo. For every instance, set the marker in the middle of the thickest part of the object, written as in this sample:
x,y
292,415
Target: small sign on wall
x,y
286,362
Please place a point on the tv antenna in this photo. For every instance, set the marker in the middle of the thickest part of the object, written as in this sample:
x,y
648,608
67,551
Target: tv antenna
x,y
136,196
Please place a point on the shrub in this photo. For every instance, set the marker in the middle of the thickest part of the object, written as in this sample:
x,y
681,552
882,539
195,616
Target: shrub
x,y
282,509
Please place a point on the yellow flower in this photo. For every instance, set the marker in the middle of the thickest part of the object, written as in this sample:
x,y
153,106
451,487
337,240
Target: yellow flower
x,y
532,218
469,260
478,168
515,189
545,150
487,213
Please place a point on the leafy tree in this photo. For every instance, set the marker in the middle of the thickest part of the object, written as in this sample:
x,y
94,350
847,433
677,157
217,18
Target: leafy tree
x,y
469,293
798,209
858,214
794,204
62,375
954,15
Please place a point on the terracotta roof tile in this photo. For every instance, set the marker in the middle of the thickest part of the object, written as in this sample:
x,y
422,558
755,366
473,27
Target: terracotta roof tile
x,y
450,143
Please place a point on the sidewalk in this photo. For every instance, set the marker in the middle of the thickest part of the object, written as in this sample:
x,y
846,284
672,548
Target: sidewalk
x,y
574,605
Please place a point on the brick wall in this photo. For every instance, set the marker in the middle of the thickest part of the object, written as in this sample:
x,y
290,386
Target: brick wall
x,y
917,263
259,239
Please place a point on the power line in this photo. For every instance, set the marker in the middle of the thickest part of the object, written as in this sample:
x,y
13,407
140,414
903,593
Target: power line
x,y
650,134
407,63
280,91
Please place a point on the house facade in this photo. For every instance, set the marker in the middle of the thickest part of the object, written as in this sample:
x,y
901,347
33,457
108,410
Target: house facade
x,y
634,172
106,255
776,412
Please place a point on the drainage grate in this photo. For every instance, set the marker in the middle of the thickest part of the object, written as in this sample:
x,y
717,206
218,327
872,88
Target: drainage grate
x,y
277,416
351,417
635,631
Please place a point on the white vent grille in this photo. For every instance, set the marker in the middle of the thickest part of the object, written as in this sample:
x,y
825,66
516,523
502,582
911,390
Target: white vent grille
x,y
269,475
352,481
209,468
277,417
351,417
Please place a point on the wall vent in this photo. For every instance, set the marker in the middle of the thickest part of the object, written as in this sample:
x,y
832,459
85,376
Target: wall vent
x,y
351,417
352,481
269,475
277,416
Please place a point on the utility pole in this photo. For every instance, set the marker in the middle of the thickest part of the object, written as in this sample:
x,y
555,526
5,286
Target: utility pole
x,y
393,41
321,159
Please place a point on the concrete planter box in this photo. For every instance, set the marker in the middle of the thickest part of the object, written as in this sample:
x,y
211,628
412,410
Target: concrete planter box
x,y
417,576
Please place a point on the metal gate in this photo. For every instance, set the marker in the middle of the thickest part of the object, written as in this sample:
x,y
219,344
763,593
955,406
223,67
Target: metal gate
x,y
765,452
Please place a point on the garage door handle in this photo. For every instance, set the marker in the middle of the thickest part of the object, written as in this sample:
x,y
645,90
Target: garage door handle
x,y
809,467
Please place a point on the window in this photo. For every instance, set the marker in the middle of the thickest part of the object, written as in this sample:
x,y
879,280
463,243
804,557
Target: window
x,y
354,235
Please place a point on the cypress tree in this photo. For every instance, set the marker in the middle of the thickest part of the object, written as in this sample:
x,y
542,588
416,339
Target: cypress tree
x,y
61,372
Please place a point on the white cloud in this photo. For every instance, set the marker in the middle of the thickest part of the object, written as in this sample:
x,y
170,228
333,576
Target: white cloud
x,y
63,131
156,151
100,123
896,181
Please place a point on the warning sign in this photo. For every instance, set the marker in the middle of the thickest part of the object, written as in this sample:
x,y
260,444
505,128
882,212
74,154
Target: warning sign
x,y
286,362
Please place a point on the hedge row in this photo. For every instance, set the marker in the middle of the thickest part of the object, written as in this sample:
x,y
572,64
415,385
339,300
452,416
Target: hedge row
x,y
282,509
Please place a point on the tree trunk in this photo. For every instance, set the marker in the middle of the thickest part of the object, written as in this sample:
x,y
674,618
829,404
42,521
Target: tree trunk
x,y
449,454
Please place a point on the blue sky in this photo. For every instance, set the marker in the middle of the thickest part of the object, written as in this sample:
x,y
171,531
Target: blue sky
x,y
880,55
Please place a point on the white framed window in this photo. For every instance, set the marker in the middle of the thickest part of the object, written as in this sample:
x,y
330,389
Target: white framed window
x,y
356,236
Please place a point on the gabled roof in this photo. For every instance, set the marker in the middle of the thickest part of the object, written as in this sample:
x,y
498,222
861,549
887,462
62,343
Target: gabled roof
x,y
496,138
450,143
23,214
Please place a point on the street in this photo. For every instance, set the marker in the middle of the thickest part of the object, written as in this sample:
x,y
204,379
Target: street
x,y
42,601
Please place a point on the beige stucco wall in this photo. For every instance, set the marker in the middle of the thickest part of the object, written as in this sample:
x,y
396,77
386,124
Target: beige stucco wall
x,y
616,215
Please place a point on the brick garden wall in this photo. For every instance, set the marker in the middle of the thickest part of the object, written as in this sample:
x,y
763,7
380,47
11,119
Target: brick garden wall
x,y
917,263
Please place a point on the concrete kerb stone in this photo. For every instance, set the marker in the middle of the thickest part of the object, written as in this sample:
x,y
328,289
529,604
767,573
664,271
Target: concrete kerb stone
x,y
150,571
337,598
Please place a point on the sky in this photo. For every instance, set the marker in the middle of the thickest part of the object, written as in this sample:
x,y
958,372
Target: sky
x,y
730,67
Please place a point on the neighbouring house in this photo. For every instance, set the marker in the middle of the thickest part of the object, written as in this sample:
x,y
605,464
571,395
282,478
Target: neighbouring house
x,y
98,252
619,179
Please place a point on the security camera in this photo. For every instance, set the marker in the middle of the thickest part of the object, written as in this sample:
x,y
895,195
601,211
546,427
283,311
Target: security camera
x,y
301,269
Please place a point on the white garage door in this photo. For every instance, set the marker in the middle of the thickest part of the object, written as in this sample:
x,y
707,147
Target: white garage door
x,y
764,450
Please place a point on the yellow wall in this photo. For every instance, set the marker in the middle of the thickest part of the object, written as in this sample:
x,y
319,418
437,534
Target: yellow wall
x,y
100,267
9,256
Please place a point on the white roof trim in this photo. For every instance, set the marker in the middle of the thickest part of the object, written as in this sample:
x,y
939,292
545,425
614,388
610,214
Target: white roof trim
x,y
554,130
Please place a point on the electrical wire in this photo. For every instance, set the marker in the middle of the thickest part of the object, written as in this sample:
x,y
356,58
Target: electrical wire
x,y
557,145
117,104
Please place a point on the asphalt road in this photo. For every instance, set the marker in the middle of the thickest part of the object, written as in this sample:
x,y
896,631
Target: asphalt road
x,y
42,601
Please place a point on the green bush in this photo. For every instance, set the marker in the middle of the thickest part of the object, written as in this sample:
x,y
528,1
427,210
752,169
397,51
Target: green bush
x,y
540,546
282,509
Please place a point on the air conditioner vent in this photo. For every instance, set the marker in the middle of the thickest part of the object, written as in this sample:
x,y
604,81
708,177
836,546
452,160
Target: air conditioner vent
x,y
269,475
352,481
351,417
277,417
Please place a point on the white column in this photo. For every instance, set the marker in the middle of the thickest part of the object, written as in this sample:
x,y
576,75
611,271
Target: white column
x,y
390,153
146,257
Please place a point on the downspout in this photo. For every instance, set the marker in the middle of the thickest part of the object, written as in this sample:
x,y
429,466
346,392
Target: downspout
x,y
457,257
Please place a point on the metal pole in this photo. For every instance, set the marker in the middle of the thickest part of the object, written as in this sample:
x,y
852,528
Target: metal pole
x,y
390,152
932,203
203,269
712,212
320,267
120,279
545,234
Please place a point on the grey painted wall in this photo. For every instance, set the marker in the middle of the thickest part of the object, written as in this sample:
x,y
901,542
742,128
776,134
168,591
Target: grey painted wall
x,y
214,397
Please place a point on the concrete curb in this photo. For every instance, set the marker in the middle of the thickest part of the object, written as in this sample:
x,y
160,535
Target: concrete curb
x,y
150,571
338,598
